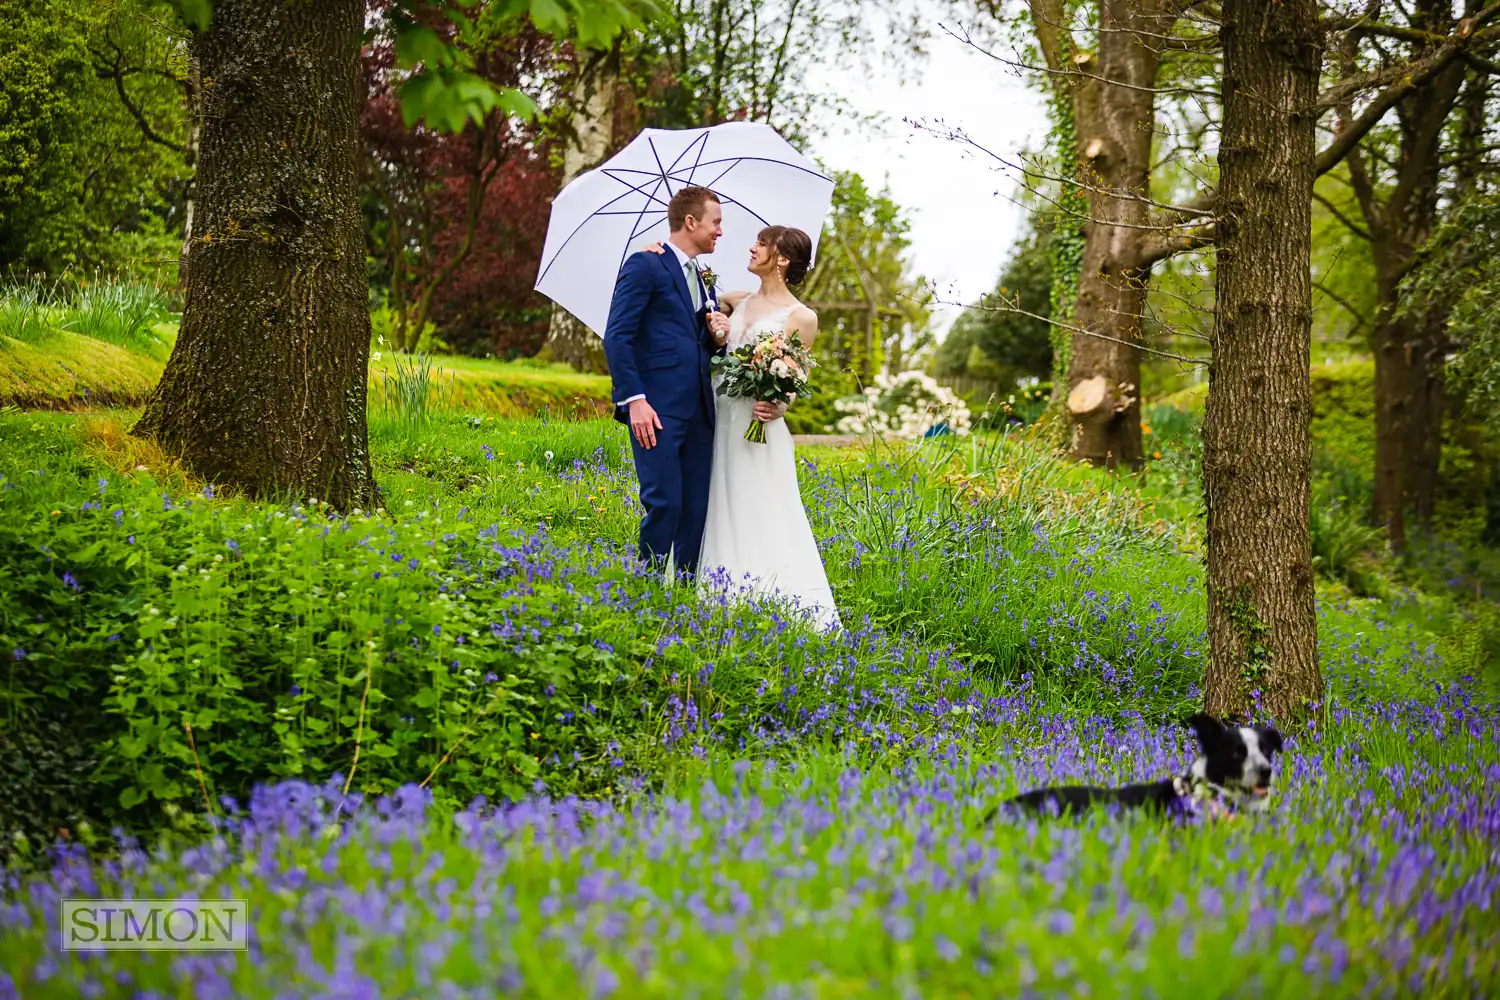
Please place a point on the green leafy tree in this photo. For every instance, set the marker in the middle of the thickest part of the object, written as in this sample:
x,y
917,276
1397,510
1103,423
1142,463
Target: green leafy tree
x,y
93,169
996,341
1459,268
871,304
703,62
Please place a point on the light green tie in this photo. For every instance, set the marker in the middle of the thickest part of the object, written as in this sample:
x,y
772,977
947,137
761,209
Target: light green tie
x,y
695,290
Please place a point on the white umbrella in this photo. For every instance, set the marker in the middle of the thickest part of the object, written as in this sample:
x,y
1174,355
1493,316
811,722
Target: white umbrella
x,y
610,212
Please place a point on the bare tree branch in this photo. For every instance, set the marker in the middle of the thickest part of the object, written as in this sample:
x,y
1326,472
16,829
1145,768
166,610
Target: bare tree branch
x,y
1073,72
1349,223
116,71
985,306
1468,36
1359,319
1159,247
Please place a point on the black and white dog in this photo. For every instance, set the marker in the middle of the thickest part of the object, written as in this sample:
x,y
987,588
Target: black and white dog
x,y
1232,772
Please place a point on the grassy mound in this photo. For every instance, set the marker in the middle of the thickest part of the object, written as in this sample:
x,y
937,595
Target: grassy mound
x,y
67,371
498,388
76,343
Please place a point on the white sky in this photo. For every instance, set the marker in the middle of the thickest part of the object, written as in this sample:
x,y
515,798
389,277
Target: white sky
x,y
964,220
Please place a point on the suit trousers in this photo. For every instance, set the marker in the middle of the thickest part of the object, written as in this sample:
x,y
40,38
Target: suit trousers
x,y
674,478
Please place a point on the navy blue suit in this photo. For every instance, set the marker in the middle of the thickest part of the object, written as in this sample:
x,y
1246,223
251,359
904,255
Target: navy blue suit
x,y
659,346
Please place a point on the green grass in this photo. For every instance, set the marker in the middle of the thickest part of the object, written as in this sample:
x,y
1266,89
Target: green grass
x,y
502,388
1068,587
67,370
63,369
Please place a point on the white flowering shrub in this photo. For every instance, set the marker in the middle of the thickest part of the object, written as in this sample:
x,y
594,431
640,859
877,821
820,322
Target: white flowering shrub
x,y
904,406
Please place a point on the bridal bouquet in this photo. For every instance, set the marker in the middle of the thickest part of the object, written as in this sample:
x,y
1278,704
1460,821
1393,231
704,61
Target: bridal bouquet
x,y
772,370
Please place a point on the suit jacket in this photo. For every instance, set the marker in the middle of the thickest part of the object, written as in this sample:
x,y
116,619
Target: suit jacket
x,y
655,343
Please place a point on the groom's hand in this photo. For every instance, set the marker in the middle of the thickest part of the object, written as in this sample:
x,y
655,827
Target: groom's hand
x,y
644,423
718,325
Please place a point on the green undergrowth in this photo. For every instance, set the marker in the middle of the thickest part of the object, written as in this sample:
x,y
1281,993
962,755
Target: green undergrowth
x,y
489,632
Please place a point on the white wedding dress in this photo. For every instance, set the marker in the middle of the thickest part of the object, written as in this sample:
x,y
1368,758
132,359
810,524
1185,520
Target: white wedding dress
x,y
757,537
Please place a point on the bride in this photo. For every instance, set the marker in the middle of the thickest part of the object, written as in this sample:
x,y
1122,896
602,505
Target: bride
x,y
757,535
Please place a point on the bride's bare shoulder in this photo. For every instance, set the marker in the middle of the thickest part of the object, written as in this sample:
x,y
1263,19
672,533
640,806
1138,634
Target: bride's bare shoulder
x,y
733,299
803,318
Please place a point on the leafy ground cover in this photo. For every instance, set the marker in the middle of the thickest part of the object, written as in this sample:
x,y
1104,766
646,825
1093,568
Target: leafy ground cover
x,y
690,796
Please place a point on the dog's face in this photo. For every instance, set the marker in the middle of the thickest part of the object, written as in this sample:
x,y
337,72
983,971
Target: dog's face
x,y
1236,758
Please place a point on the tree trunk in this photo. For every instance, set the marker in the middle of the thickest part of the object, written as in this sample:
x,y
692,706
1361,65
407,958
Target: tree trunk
x,y
1115,113
265,389
584,147
1410,394
1425,442
1410,349
194,122
1262,628
1393,405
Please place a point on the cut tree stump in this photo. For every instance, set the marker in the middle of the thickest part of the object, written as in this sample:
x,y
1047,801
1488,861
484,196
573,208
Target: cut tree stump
x,y
1089,396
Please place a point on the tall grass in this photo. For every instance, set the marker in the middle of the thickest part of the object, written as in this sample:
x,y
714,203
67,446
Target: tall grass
x,y
413,391
1031,573
118,309
27,306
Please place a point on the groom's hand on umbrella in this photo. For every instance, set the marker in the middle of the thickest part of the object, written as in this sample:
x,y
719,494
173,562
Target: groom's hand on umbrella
x,y
644,423
718,325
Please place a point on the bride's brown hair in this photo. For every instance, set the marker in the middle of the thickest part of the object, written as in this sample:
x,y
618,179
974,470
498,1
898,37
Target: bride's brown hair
x,y
794,245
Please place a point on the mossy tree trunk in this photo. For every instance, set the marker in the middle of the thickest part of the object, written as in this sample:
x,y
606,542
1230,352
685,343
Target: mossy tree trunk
x,y
1112,93
1257,455
265,389
1115,112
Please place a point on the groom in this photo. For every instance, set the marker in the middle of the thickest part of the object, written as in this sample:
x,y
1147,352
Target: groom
x,y
658,342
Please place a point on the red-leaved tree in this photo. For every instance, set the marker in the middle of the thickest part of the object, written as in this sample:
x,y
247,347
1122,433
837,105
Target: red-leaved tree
x,y
488,305
455,223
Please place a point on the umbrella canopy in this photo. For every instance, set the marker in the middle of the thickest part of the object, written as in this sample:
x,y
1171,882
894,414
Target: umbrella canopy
x,y
607,214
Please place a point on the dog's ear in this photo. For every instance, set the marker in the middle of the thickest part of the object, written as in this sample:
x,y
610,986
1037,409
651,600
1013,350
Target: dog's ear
x,y
1270,740
1208,729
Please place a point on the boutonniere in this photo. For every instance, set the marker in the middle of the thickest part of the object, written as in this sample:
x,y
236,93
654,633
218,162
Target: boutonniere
x,y
709,280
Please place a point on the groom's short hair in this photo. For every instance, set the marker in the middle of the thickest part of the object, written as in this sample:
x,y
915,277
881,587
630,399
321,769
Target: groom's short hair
x,y
688,201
